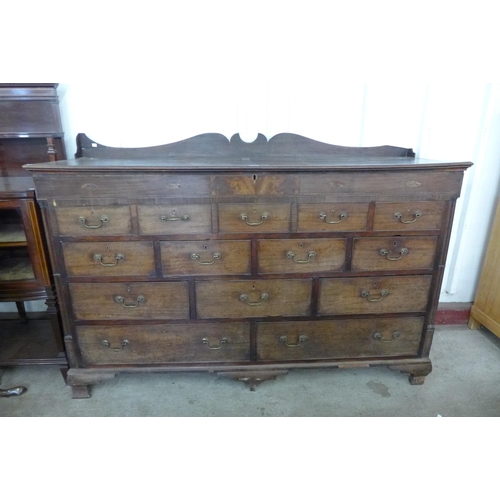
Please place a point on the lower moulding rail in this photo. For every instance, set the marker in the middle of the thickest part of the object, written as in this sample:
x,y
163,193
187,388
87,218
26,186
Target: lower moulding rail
x,y
80,379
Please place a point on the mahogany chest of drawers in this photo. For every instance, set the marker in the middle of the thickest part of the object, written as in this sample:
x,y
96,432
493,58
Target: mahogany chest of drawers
x,y
246,259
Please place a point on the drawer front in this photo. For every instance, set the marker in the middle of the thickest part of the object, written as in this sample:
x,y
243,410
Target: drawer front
x,y
254,218
110,258
253,298
387,294
408,216
332,217
68,186
187,343
110,301
174,219
205,257
97,221
338,339
383,186
390,254
301,256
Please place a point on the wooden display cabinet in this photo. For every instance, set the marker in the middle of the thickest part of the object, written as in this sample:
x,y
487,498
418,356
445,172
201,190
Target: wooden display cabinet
x,y
30,132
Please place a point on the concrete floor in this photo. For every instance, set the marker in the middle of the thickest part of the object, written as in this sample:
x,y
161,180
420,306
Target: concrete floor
x,y
464,383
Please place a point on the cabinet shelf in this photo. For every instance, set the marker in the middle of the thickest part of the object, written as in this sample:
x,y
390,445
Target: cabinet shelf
x,y
12,235
16,269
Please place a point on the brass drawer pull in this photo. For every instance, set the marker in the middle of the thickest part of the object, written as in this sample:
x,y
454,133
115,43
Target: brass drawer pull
x,y
342,216
106,343
378,336
221,343
118,257
263,217
215,256
244,298
291,255
398,215
103,219
284,340
385,252
366,294
166,218
139,300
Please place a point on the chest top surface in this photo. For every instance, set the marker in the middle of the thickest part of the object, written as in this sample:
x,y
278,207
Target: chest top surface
x,y
214,152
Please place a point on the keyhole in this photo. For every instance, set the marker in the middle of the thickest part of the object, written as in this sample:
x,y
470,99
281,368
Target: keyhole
x,y
129,289
107,248
174,211
253,287
254,177
395,243
301,245
205,247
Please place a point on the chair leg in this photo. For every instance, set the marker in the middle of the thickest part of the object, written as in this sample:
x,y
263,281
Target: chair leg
x,y
22,312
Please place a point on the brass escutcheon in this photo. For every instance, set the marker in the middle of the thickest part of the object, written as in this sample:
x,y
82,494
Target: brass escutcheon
x,y
104,219
399,216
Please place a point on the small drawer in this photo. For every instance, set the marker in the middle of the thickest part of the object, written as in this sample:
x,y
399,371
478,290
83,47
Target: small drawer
x,y
112,301
110,258
301,256
338,339
408,216
327,217
174,219
387,294
97,221
255,298
384,254
205,257
254,218
152,344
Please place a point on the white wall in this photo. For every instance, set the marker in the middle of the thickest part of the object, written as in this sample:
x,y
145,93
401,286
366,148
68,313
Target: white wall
x,y
152,75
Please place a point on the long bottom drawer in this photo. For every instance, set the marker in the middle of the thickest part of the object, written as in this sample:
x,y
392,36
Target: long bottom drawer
x,y
336,339
110,345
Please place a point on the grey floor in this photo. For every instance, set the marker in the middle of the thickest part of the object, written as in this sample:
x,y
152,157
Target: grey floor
x,y
465,382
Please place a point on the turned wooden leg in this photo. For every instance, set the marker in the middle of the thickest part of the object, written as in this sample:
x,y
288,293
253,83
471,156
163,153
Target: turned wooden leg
x,y
473,324
55,319
22,312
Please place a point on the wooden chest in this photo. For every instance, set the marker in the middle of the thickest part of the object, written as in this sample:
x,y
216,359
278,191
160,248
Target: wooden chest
x,y
246,259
